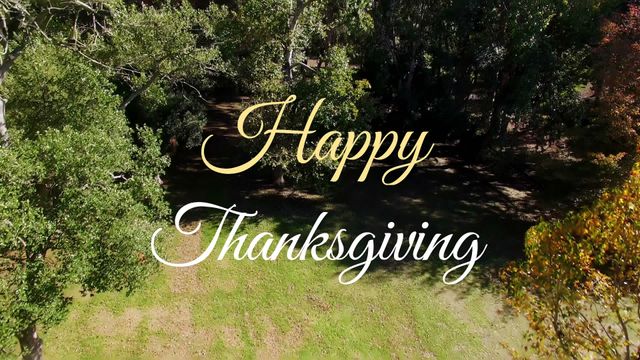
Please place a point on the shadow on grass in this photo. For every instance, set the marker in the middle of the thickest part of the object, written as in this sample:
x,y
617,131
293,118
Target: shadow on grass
x,y
453,196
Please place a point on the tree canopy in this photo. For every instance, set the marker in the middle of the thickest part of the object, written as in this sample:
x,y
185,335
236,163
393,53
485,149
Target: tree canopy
x,y
79,192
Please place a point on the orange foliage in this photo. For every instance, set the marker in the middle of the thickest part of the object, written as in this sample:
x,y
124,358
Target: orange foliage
x,y
618,77
579,286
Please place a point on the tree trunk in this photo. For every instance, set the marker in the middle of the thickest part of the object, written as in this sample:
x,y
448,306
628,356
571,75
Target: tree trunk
x,y
290,63
140,90
7,62
495,116
406,89
9,59
498,122
278,176
290,46
31,344
4,133
504,127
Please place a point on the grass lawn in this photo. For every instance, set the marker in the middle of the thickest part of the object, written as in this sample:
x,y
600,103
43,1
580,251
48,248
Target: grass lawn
x,y
283,309
298,309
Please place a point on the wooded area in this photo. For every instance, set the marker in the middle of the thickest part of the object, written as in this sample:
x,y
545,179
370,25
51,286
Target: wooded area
x,y
99,99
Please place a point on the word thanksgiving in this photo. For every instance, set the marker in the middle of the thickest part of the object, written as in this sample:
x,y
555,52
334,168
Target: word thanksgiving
x,y
333,146
362,250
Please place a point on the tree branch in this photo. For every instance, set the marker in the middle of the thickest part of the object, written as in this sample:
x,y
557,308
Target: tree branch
x,y
140,90
10,59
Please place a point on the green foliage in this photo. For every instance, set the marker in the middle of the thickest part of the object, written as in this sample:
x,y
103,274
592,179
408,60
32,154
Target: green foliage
x,y
271,43
579,285
163,52
347,102
476,67
163,55
74,96
24,19
77,196
161,39
260,73
176,115
347,107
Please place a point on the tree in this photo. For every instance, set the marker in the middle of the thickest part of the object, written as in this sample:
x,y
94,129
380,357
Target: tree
x,y
160,44
272,41
473,69
579,285
78,196
150,49
268,38
617,82
162,55
21,21
403,39
347,107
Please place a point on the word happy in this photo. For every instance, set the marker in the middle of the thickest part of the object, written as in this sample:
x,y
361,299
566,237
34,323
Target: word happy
x,y
364,249
340,150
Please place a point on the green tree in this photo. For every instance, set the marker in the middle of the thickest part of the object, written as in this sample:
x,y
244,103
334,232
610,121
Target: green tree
x,y
162,55
347,107
22,21
162,51
473,68
163,44
272,42
78,196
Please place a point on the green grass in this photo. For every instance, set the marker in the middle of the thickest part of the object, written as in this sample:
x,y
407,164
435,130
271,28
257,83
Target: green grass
x,y
284,309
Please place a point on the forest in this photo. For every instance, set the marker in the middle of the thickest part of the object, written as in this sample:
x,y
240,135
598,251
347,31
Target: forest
x,y
112,112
